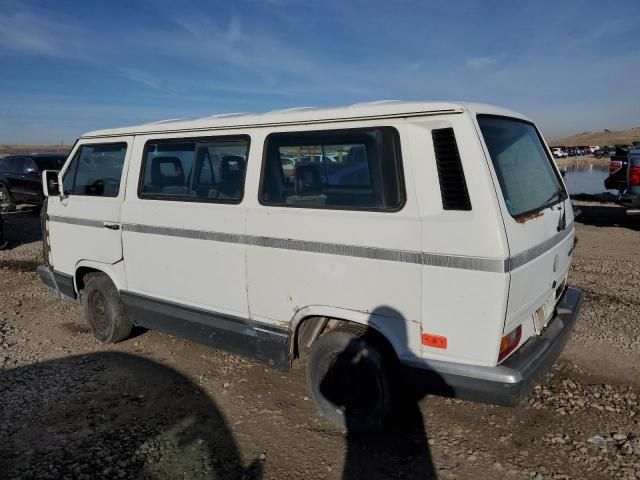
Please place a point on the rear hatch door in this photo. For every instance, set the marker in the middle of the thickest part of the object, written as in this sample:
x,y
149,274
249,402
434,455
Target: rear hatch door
x,y
538,220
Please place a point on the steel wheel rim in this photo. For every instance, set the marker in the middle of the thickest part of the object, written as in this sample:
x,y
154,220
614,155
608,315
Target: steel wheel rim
x,y
98,305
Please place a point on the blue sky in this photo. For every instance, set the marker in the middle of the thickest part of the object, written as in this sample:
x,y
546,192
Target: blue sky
x,y
67,67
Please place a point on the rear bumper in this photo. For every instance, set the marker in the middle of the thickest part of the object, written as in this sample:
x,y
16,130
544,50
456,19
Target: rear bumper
x,y
60,284
507,383
630,200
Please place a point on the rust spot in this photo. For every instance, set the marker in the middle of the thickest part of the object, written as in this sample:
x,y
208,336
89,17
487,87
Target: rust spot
x,y
530,216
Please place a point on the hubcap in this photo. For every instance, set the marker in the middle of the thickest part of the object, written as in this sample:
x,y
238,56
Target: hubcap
x,y
99,310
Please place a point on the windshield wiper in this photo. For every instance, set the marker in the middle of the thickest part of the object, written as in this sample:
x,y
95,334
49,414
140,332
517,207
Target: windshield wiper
x,y
560,193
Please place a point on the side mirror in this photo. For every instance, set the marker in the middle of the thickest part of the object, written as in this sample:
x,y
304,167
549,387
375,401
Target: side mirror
x,y
31,171
51,183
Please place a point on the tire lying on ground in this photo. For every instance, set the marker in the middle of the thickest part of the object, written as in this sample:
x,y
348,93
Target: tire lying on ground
x,y
103,309
350,378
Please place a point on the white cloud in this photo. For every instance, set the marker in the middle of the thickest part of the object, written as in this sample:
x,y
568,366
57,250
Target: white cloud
x,y
26,33
481,63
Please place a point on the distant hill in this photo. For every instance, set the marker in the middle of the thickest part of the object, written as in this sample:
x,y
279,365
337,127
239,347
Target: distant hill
x,y
601,138
13,149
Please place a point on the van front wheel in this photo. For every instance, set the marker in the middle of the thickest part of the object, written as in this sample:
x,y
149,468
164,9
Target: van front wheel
x,y
350,380
103,309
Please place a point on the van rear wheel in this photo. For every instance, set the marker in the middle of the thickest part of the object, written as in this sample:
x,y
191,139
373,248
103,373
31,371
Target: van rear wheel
x,y
350,379
103,309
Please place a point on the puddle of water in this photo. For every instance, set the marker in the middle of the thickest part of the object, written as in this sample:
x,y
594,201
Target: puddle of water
x,y
583,177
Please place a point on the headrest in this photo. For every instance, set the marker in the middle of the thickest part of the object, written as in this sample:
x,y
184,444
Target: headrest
x,y
166,171
357,154
308,179
232,167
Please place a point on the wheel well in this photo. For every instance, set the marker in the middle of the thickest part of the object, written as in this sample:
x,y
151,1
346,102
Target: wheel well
x,y
311,328
82,276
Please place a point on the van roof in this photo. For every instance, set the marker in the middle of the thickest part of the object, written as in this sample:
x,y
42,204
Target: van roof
x,y
305,115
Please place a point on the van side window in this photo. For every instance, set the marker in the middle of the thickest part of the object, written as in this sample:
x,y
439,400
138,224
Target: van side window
x,y
197,170
339,169
95,170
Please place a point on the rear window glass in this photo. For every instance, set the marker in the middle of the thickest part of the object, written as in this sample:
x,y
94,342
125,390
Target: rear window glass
x,y
351,169
526,175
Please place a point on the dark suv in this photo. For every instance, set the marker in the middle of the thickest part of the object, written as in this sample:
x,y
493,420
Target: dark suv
x,y
21,177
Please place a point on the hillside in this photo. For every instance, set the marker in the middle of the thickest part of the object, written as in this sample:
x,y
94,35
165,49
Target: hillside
x,y
603,137
12,149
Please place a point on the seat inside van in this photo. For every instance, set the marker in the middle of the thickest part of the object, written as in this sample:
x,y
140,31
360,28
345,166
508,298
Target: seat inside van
x,y
167,176
194,172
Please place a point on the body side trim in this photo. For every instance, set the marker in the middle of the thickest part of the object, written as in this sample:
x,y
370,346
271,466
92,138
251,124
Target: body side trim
x,y
65,283
265,342
374,253
525,257
84,222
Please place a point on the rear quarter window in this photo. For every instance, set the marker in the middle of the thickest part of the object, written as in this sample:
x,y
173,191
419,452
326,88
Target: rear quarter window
x,y
354,169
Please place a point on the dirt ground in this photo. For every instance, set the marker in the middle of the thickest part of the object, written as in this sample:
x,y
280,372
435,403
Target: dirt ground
x,y
161,407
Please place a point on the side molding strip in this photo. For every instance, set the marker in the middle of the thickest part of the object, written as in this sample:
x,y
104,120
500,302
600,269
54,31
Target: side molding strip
x,y
264,342
421,258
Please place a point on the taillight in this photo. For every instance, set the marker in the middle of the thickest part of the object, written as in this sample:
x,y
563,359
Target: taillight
x,y
614,166
509,342
634,176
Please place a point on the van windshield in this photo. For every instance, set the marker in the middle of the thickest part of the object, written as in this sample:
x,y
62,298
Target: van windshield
x,y
525,173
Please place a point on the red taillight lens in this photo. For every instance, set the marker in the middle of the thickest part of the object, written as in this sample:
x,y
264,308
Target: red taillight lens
x,y
634,176
509,342
614,166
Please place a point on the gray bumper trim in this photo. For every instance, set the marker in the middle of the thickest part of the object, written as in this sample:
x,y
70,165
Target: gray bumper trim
x,y
60,284
507,383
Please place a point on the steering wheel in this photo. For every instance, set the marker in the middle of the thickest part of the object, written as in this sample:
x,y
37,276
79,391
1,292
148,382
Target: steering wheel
x,y
101,182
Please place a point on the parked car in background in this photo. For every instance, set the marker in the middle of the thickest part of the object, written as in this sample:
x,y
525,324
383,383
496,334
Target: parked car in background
x,y
3,240
605,152
617,179
630,198
21,177
558,152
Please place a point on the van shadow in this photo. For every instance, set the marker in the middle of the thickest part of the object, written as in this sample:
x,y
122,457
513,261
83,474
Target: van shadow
x,y
607,216
402,449
21,226
112,415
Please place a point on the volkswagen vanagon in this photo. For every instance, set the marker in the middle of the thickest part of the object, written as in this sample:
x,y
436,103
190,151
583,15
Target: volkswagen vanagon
x,y
428,242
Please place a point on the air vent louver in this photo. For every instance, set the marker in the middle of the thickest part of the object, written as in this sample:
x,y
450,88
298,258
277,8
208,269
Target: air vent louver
x,y
453,186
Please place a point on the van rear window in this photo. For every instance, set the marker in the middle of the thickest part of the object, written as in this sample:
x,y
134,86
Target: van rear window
x,y
526,175
338,169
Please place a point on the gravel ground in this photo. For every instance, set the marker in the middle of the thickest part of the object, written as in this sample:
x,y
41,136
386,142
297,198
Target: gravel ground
x,y
156,406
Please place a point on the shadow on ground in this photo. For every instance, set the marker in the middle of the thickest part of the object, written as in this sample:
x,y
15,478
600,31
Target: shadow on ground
x,y
22,226
112,415
350,383
607,216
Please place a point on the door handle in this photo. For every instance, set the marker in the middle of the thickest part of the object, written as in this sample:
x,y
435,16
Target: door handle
x,y
112,226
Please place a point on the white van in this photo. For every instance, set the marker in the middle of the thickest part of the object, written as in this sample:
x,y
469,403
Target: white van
x,y
431,239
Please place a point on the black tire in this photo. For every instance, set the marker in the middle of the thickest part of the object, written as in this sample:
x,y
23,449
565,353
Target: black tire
x,y
7,203
350,379
103,310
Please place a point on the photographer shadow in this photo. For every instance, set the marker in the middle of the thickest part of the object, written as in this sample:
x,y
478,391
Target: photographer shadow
x,y
401,450
113,415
